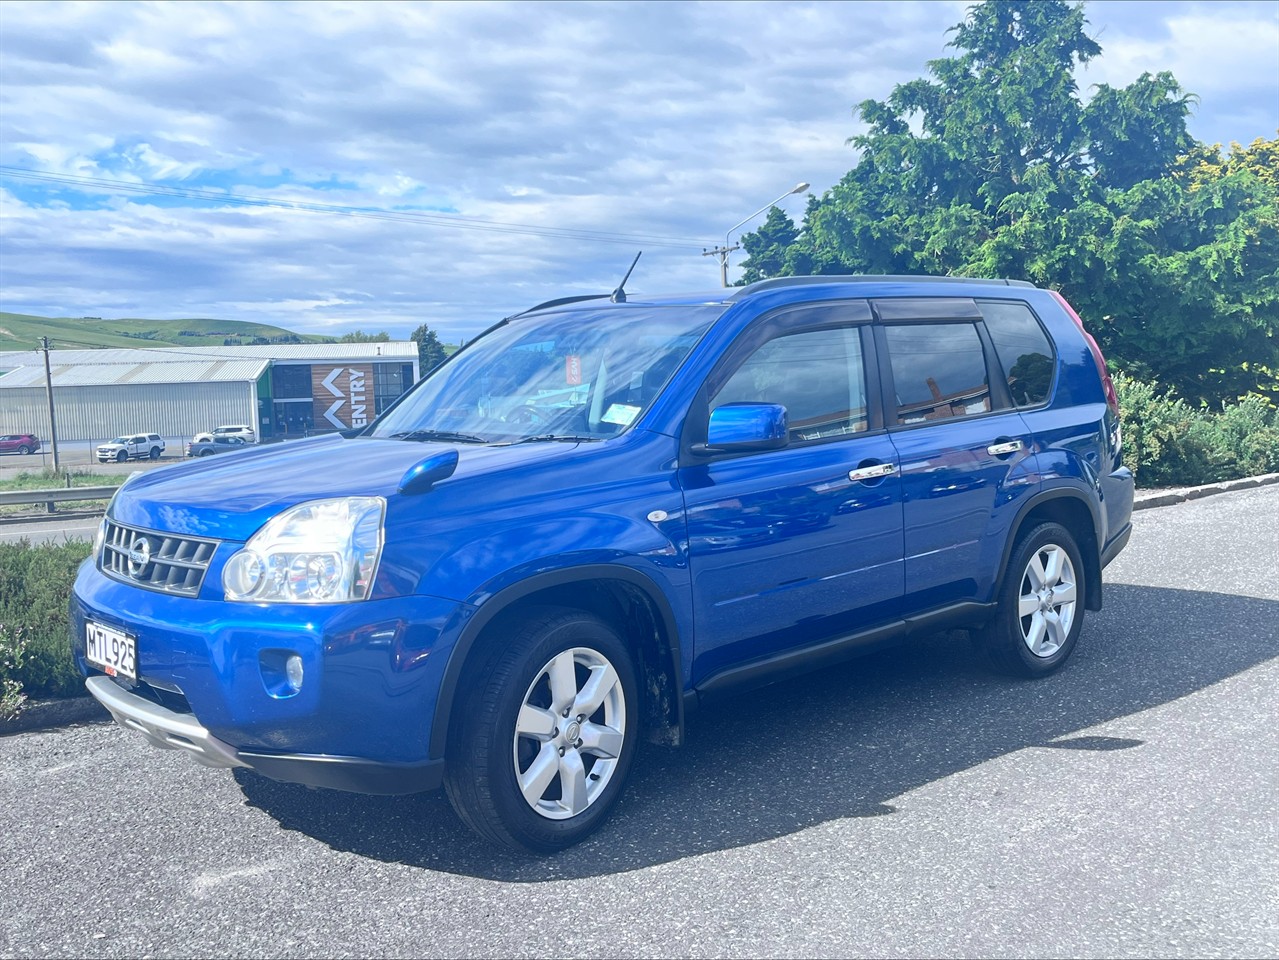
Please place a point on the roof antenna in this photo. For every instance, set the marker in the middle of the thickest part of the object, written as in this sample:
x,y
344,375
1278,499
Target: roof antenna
x,y
619,295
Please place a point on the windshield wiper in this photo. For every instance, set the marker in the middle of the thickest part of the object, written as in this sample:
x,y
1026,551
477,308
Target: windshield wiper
x,y
445,435
555,438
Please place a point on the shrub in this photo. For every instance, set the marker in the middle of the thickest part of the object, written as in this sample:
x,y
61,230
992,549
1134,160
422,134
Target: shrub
x,y
11,649
35,587
1167,442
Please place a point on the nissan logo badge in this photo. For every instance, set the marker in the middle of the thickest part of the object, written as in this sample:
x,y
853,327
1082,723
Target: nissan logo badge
x,y
139,556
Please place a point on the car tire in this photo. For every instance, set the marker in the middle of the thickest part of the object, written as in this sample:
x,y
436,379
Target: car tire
x,y
1041,604
23,450
205,453
121,457
155,453
544,738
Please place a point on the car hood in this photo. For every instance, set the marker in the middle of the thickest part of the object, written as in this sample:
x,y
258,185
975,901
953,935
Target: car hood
x,y
230,496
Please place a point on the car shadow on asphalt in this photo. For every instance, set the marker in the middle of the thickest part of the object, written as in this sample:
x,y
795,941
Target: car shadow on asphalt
x,y
840,743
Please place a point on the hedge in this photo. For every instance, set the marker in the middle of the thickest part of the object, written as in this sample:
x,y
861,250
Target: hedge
x,y
1168,443
35,656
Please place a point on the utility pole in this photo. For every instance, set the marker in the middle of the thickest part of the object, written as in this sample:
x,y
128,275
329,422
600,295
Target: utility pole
x,y
722,253
48,392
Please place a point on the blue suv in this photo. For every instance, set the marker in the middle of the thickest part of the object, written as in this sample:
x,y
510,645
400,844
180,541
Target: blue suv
x,y
602,513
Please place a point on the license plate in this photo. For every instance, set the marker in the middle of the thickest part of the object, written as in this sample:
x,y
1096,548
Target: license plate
x,y
115,652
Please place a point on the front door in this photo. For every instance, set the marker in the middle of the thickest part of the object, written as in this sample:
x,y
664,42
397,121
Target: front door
x,y
789,547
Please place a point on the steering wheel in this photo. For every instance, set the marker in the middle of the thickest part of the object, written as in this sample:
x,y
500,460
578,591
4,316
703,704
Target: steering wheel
x,y
525,416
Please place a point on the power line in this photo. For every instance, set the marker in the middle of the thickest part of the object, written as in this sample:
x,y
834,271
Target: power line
x,y
360,213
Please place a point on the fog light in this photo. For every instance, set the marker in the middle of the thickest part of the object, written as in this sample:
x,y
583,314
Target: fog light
x,y
281,673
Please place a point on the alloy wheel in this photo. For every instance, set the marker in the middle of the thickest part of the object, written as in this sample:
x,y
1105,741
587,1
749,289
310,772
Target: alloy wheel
x,y
569,733
1047,600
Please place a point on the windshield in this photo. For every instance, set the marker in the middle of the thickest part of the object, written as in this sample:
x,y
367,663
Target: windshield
x,y
579,375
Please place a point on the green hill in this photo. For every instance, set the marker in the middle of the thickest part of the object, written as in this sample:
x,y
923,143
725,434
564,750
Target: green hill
x,y
21,332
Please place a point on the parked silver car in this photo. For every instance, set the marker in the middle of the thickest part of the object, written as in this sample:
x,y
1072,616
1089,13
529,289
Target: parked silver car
x,y
216,444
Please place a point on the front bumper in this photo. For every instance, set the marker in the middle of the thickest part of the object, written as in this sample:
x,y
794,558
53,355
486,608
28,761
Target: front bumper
x,y
372,673
171,730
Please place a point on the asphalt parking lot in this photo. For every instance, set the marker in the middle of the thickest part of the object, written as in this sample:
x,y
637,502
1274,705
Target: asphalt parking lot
x,y
908,804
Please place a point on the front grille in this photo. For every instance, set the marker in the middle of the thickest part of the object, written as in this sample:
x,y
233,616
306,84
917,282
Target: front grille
x,y
157,561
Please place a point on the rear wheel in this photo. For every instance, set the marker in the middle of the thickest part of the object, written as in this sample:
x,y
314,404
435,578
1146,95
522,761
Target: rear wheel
x,y
542,743
24,450
1041,604
155,453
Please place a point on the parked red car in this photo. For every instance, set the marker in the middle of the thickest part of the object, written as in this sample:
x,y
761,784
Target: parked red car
x,y
21,443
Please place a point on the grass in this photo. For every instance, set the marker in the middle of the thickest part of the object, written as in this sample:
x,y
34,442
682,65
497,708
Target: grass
x,y
20,331
49,480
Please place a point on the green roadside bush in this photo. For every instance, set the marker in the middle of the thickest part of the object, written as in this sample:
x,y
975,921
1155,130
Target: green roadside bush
x,y
35,656
1169,443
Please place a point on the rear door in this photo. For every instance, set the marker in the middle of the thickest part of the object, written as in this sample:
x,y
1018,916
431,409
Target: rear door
x,y
964,450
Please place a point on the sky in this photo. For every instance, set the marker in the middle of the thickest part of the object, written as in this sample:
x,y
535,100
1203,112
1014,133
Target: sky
x,y
329,167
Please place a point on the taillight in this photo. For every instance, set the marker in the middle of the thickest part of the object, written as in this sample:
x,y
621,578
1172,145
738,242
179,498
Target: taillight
x,y
1112,398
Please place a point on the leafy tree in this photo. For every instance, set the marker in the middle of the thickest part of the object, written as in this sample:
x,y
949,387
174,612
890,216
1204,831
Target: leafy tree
x,y
430,352
1137,133
767,246
359,336
994,166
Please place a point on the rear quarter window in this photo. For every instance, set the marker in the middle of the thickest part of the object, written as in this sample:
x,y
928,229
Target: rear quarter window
x,y
1024,350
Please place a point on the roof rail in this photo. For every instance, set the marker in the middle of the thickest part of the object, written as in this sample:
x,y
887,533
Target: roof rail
x,y
560,302
777,282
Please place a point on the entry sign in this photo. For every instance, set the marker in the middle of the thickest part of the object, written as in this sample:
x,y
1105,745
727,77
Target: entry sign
x,y
343,396
573,370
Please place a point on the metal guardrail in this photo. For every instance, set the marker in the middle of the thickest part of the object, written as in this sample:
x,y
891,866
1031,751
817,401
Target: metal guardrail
x,y
51,497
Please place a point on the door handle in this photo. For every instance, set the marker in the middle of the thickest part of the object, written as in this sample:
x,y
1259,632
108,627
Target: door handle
x,y
873,472
1005,448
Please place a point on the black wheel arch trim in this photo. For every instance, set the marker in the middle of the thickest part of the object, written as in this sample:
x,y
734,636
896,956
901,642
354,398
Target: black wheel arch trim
x,y
487,611
1092,564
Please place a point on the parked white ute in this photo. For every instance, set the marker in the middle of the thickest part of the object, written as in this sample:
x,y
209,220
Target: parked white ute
x,y
240,430
135,446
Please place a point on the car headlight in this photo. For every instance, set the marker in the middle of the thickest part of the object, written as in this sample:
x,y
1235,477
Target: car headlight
x,y
100,537
323,551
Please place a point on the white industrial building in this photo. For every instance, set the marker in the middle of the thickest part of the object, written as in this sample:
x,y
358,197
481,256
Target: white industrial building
x,y
282,390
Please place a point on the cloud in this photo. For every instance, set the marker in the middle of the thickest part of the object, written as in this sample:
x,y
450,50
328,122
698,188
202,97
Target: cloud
x,y
661,120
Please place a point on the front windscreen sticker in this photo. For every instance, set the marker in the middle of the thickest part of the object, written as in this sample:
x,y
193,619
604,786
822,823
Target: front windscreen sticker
x,y
573,370
621,414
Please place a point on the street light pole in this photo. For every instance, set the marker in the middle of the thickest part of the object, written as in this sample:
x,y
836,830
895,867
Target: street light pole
x,y
729,247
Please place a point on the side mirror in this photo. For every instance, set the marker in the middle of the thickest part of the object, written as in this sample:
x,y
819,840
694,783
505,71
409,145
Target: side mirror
x,y
742,427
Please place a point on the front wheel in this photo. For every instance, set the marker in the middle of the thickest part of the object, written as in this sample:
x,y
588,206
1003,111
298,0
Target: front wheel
x,y
121,457
543,741
1041,604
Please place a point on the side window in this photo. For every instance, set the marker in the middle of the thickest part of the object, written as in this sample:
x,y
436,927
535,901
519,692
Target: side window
x,y
1024,350
939,371
816,375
